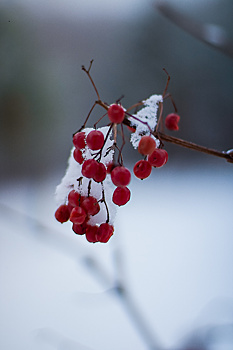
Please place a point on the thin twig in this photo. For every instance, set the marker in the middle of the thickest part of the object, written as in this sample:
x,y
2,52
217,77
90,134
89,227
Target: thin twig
x,y
89,76
210,34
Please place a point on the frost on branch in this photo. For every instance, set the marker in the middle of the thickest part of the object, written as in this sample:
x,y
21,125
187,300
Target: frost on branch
x,y
145,120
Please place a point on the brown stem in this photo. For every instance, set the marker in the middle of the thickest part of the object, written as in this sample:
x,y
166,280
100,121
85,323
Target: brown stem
x,y
194,146
89,76
187,144
135,106
104,201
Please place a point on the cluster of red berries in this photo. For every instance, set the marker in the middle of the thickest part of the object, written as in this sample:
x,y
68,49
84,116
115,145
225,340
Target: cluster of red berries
x,y
80,208
155,157
78,211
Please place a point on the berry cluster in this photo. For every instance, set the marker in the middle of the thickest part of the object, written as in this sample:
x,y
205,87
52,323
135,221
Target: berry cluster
x,y
78,210
87,196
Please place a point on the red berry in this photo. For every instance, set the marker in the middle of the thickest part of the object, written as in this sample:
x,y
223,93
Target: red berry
x,y
158,158
146,145
171,121
78,156
91,232
78,215
131,129
105,231
90,205
120,176
142,169
70,207
79,229
89,168
95,140
116,113
62,213
100,173
121,196
110,167
75,198
79,140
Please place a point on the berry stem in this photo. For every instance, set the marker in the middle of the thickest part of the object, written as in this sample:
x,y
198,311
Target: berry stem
x,y
85,122
89,189
99,120
80,180
139,120
160,117
172,101
135,106
167,83
104,201
101,150
120,157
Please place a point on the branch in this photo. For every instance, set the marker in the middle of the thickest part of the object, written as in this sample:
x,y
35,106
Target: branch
x,y
227,155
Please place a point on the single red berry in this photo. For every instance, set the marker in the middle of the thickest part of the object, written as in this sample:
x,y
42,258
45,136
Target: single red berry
x,y
75,198
91,205
70,207
120,176
78,215
78,156
89,168
62,213
146,145
91,232
158,158
105,231
79,140
79,229
171,121
100,173
121,196
110,167
142,169
116,113
95,140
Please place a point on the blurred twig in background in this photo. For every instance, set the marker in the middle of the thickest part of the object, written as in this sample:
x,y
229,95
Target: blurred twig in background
x,y
210,34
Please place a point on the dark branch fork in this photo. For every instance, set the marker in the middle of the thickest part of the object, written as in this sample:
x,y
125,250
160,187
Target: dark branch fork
x,y
228,155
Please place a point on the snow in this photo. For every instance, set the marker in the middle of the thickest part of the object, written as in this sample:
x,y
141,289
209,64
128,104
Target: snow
x,y
145,120
172,247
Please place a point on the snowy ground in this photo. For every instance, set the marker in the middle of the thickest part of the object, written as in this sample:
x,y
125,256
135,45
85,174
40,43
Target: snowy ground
x,y
172,248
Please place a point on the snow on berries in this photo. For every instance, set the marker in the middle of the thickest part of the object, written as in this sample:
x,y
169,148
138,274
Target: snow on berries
x,y
96,180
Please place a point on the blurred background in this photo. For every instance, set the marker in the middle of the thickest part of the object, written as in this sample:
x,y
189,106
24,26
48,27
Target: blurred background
x,y
177,257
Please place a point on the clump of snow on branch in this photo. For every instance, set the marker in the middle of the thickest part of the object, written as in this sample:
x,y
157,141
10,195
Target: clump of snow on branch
x,y
145,120
74,180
